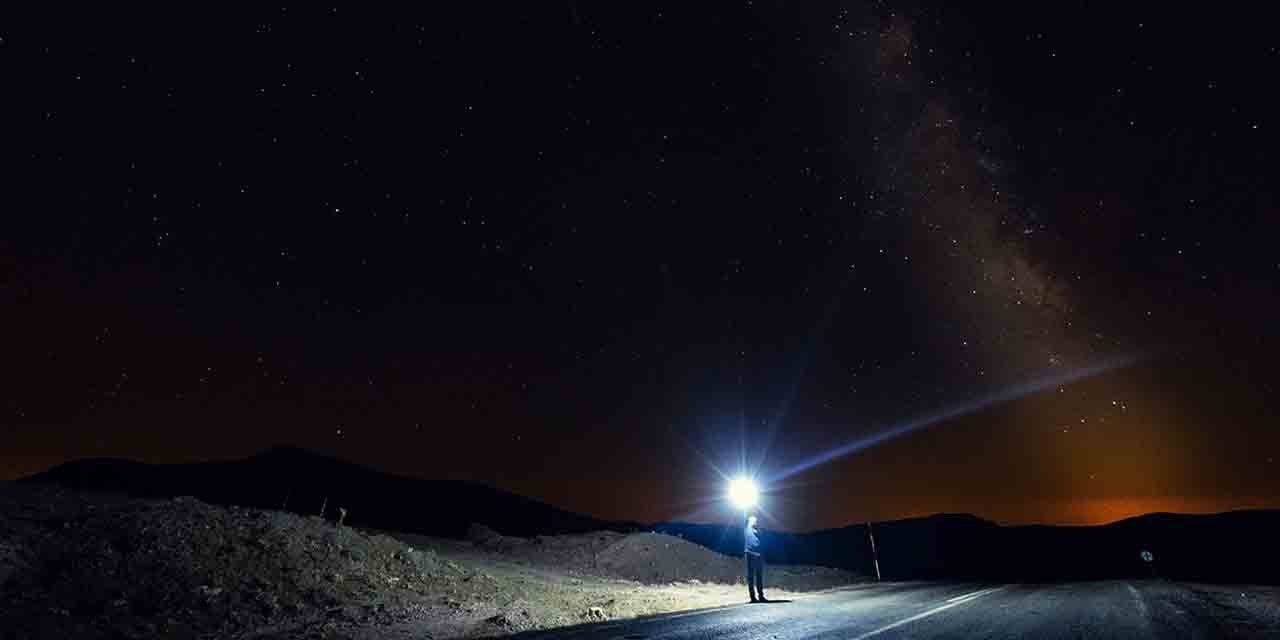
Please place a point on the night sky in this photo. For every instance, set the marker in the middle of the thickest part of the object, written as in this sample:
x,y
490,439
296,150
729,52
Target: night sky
x,y
895,258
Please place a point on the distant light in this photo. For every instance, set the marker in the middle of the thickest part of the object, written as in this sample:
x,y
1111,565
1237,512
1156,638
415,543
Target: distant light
x,y
743,492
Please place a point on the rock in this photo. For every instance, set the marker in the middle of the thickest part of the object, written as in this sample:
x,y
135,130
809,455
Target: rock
x,y
345,613
267,602
595,613
500,620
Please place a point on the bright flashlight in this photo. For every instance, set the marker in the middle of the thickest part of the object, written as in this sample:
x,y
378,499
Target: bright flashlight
x,y
743,493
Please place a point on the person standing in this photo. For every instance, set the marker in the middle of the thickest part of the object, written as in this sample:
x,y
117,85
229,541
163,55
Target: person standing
x,y
755,560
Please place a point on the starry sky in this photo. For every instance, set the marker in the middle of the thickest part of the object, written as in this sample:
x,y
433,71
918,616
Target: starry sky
x,y
892,258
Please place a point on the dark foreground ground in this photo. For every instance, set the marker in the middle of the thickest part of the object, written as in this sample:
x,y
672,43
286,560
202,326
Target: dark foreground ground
x,y
1109,609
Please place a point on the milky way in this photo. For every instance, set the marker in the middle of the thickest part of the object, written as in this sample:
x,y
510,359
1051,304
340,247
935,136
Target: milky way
x,y
997,311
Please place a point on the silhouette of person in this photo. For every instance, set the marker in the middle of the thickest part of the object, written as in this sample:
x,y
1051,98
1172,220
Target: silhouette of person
x,y
754,559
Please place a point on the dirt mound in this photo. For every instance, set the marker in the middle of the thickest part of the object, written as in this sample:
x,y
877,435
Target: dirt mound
x,y
484,537
182,568
481,535
656,558
81,565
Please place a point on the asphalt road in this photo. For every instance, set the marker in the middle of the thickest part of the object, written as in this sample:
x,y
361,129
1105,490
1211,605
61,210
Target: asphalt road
x,y
1111,609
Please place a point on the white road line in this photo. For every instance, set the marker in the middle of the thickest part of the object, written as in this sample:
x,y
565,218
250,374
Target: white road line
x,y
1142,606
967,595
953,602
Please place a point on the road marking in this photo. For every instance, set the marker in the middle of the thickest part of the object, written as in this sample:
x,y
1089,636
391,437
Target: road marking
x,y
967,595
1142,606
953,602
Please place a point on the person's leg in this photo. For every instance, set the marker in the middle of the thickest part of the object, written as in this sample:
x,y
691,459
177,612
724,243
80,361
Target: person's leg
x,y
760,577
751,572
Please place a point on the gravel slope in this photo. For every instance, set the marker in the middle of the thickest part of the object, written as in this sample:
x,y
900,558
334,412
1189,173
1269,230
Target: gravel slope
x,y
76,565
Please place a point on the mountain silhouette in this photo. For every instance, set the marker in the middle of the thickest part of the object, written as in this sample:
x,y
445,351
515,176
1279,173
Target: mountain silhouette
x,y
303,482
1233,547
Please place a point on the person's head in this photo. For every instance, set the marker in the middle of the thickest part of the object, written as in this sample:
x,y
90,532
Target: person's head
x,y
751,520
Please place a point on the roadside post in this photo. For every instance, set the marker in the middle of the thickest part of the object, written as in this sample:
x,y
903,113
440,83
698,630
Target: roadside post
x,y
875,557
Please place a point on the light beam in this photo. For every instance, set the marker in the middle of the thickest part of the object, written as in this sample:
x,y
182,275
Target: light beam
x,y
921,422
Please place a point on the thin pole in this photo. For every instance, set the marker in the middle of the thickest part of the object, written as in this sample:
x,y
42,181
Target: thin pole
x,y
875,557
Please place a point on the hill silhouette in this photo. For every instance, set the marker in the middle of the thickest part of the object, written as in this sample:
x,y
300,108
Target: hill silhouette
x,y
301,481
1227,547
1233,547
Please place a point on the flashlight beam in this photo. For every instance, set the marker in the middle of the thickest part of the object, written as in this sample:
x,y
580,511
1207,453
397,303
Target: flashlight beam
x,y
916,424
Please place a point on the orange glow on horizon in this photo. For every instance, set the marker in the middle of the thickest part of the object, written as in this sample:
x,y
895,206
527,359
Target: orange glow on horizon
x,y
1098,511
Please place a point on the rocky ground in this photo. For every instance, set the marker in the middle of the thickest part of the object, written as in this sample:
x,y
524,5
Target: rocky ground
x,y
76,565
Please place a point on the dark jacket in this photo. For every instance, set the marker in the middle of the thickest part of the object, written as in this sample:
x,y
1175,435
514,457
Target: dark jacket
x,y
751,538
